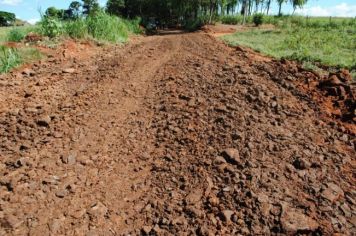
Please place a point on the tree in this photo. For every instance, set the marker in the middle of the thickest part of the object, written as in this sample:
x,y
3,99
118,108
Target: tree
x,y
280,2
53,12
115,7
90,7
74,9
7,18
298,4
268,4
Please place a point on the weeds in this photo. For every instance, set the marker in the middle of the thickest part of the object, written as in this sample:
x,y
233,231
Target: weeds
x,y
9,58
101,26
108,28
16,35
76,28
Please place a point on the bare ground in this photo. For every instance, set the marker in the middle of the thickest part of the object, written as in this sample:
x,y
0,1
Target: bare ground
x,y
175,134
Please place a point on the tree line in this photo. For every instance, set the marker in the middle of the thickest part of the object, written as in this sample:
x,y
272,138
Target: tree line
x,y
164,10
173,9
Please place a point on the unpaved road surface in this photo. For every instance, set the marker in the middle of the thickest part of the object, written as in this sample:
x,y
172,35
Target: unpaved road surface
x,y
174,135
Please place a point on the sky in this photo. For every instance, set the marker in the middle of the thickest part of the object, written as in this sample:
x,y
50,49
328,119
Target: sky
x,y
29,9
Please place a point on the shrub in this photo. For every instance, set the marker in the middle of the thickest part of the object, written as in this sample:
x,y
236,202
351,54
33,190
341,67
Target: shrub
x,y
9,58
193,24
231,20
51,27
258,19
16,35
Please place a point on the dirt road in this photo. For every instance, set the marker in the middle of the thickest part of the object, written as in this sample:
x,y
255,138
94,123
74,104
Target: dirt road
x,y
175,134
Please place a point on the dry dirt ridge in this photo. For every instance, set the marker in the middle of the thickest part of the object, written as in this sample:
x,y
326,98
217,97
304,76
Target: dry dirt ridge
x,y
175,135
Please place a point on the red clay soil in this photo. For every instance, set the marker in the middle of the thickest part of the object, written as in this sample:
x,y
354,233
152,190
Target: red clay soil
x,y
175,135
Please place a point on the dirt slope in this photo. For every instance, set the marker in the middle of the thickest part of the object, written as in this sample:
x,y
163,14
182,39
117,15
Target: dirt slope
x,y
171,135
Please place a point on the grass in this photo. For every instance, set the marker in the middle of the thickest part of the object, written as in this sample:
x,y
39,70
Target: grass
x,y
102,27
313,40
3,33
13,57
16,33
107,28
9,58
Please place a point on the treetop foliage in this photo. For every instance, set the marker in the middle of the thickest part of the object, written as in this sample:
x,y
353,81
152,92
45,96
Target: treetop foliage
x,y
177,11
7,18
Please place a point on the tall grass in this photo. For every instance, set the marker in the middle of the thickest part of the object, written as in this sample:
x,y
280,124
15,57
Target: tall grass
x,y
16,33
13,57
76,28
106,27
9,58
101,26
133,26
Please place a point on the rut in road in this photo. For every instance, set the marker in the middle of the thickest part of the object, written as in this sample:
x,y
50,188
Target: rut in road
x,y
170,135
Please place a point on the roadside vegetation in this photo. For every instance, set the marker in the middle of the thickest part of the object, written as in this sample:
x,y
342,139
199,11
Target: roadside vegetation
x,y
84,20
324,41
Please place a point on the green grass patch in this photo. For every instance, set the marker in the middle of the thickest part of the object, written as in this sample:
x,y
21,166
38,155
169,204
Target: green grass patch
x,y
332,46
13,57
16,33
3,33
9,58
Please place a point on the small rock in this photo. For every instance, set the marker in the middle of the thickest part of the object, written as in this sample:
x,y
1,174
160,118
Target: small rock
x,y
28,71
77,214
219,160
157,229
69,71
194,197
346,210
332,192
61,193
341,92
294,222
70,159
226,215
262,198
11,222
204,231
301,164
345,75
226,189
146,230
44,121
232,156
332,81
98,210
55,225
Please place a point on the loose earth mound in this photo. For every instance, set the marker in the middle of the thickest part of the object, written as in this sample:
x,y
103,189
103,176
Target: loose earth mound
x,y
175,135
